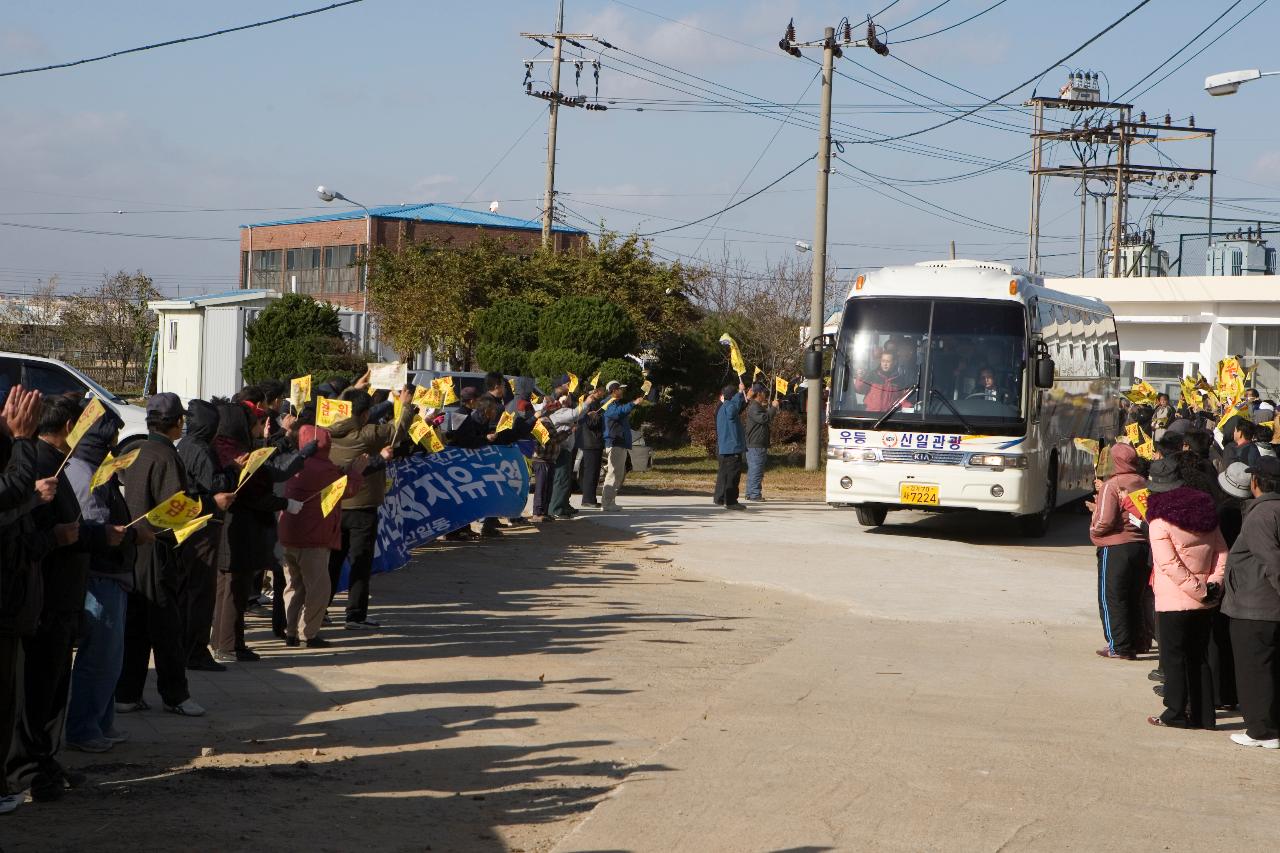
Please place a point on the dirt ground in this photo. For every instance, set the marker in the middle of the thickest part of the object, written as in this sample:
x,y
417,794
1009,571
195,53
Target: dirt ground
x,y
514,686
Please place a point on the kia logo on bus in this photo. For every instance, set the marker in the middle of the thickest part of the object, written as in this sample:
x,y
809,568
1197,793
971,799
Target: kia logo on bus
x,y
922,456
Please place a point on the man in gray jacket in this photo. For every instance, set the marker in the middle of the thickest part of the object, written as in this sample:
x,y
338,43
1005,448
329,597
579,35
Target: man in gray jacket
x,y
759,417
1252,601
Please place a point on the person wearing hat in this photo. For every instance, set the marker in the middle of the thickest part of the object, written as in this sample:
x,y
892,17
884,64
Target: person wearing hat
x,y
1188,556
617,441
1252,601
1122,556
1233,488
590,441
153,621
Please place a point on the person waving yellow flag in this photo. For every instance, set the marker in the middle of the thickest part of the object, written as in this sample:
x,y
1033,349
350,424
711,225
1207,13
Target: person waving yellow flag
x,y
735,355
331,494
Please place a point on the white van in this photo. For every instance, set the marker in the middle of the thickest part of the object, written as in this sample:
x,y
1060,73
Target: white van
x,y
50,376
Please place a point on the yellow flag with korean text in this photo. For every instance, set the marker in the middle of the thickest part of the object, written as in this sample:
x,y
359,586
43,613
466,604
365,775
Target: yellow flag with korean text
x,y
1139,499
178,511
506,422
331,494
87,418
300,392
330,411
1235,411
1142,394
110,466
781,385
541,433
253,463
444,384
1133,432
183,533
1088,445
425,434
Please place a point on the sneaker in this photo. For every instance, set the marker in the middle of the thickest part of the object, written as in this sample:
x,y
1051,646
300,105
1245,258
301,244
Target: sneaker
x,y
362,625
247,655
519,521
225,657
735,506
612,508
1158,689
490,532
590,504
187,708
130,707
97,744
1107,653
291,642
208,665
565,516
1156,675
543,519
318,643
1244,740
10,802
115,735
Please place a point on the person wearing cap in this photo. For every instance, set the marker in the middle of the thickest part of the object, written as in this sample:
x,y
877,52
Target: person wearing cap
x,y
730,445
591,443
1252,601
564,420
1189,556
617,441
759,418
1122,556
153,621
1233,491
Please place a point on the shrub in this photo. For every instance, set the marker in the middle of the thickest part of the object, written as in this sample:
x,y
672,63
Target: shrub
x,y
511,323
547,364
588,325
504,358
787,428
622,370
702,426
295,336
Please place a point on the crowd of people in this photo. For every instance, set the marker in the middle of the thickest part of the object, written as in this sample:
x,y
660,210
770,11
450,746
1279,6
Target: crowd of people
x,y
91,591
1188,545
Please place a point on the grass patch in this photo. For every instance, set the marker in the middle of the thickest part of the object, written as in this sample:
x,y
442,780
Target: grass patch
x,y
690,471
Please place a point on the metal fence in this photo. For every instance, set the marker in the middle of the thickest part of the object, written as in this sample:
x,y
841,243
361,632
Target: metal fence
x,y
103,368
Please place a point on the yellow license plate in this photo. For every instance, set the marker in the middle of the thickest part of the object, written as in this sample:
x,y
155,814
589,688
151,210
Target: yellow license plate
x,y
918,494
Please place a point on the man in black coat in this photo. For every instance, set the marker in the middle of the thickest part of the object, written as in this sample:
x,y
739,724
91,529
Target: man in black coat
x,y
215,484
591,443
64,573
21,548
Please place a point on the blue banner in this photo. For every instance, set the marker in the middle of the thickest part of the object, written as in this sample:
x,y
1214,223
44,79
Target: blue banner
x,y
432,495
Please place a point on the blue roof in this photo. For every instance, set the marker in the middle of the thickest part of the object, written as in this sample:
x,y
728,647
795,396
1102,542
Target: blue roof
x,y
427,213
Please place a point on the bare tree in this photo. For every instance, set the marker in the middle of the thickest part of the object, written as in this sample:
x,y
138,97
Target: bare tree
x,y
115,318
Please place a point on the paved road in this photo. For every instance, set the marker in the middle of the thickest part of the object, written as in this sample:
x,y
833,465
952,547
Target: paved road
x,y
949,700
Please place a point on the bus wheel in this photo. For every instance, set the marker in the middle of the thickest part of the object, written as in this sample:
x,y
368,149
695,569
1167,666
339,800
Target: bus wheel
x,y
1037,525
871,515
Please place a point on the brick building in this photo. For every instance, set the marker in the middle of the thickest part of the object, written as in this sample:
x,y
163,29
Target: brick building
x,y
316,255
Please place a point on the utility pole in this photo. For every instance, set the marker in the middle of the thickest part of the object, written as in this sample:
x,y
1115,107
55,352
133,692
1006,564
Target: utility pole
x,y
549,197
1121,186
1033,229
817,293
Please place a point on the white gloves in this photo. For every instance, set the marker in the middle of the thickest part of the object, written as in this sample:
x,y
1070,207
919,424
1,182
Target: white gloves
x,y
295,507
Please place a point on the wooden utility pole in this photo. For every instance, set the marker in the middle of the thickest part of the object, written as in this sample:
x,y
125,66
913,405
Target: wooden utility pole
x,y
549,196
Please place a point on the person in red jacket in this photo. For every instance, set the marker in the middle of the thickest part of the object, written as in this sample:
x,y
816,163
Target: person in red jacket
x,y
883,387
1122,557
308,536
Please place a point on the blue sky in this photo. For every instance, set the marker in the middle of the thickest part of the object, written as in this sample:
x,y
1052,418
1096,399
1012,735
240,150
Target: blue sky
x,y
410,101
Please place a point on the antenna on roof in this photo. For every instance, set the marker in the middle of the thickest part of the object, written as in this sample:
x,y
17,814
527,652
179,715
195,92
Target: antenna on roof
x,y
493,206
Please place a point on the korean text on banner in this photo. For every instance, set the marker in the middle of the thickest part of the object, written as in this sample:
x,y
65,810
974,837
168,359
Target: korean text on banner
x,y
110,466
541,433
87,418
432,495
781,385
178,511
1139,499
388,375
253,463
330,411
300,392
331,494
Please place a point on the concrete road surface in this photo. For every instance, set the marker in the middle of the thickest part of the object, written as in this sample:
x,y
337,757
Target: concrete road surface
x,y
950,700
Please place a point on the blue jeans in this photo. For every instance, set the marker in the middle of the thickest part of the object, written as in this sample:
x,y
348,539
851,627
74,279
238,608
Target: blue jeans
x,y
92,711
757,457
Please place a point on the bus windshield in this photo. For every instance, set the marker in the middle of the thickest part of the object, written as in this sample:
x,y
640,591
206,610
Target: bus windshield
x,y
953,364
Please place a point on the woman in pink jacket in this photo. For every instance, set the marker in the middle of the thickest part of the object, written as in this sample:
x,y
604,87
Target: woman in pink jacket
x,y
309,536
1189,557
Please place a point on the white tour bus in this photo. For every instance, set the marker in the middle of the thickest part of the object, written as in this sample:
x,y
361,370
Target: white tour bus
x,y
961,385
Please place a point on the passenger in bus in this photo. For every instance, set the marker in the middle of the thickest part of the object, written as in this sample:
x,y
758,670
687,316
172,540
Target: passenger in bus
x,y
883,387
989,388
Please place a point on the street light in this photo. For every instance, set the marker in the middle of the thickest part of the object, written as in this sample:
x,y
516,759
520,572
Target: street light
x,y
1229,82
327,195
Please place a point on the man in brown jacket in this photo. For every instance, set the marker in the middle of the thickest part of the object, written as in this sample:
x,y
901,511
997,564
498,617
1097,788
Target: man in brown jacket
x,y
1122,556
351,438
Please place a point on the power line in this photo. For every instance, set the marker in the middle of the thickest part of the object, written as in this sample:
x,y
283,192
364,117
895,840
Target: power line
x,y
183,40
116,233
1210,44
1175,54
737,203
953,26
918,17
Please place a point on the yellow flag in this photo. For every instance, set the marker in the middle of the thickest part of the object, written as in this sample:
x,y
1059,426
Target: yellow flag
x,y
511,383
300,392
595,380
573,382
645,387
397,408
735,355
87,418
756,373
1088,445
329,411
444,384
607,403
253,463
1230,380
1241,411
506,422
183,533
1142,394
1139,499
420,395
1134,433
418,429
781,385
541,433
177,511
1146,450
110,466
331,494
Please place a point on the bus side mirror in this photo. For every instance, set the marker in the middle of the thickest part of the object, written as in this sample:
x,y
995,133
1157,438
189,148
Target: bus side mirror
x,y
813,364
1044,372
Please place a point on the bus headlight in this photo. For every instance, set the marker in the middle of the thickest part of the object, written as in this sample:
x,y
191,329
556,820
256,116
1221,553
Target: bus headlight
x,y
850,454
997,460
